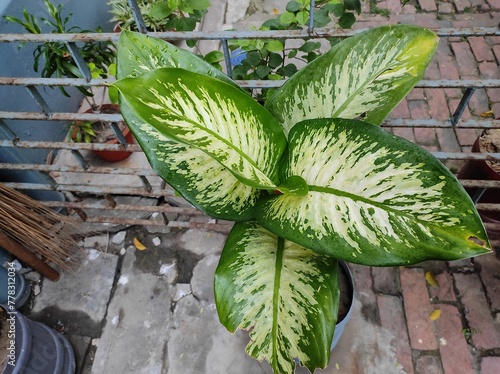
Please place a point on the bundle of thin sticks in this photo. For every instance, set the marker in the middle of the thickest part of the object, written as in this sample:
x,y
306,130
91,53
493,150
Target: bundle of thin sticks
x,y
39,229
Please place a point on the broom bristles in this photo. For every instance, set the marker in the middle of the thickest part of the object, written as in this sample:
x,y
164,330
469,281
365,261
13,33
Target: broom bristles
x,y
38,228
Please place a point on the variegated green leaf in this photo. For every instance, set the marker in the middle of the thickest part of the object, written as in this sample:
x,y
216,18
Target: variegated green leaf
x,y
212,116
138,54
373,199
286,295
364,76
199,178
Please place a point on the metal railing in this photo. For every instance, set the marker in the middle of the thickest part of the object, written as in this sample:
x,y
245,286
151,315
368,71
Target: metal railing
x,y
145,182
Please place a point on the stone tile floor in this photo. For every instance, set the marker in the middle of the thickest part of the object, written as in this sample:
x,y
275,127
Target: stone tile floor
x,y
152,311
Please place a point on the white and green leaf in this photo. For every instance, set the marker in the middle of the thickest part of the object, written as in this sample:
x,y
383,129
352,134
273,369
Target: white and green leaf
x,y
199,178
373,198
138,54
210,115
364,76
286,295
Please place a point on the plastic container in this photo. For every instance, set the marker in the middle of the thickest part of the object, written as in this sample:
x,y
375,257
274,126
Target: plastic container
x,y
339,328
39,349
21,287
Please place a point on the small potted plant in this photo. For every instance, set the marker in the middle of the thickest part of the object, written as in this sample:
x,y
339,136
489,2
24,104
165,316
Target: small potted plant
x,y
160,15
100,57
310,179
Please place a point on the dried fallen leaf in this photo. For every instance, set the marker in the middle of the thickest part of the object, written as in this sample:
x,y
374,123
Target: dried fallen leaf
x,y
431,279
488,114
139,245
436,313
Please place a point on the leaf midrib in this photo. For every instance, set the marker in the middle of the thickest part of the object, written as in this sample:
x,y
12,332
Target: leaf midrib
x,y
276,299
334,191
215,135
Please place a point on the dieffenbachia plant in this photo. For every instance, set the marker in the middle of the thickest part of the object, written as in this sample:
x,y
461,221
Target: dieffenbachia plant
x,y
310,179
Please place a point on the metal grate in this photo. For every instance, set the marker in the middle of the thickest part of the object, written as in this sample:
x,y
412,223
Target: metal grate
x,y
93,202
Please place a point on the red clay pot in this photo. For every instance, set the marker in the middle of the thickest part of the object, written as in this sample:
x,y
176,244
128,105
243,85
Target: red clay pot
x,y
113,156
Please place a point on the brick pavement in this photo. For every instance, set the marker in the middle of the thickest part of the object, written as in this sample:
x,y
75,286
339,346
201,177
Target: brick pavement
x,y
465,337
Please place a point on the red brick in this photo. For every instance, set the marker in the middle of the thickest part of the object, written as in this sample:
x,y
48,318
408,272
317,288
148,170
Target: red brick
x,y
417,309
485,334
490,365
496,109
490,266
427,5
428,365
432,71
448,70
489,70
430,148
447,140
438,106
425,136
467,137
481,49
444,290
465,59
476,19
416,94
401,110
455,355
445,8
394,6
493,94
496,51
409,9
392,318
461,4
386,280
494,4
443,51
419,109
478,103
364,291
404,132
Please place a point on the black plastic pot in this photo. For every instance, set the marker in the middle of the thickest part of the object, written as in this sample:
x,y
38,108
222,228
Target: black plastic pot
x,y
38,349
12,281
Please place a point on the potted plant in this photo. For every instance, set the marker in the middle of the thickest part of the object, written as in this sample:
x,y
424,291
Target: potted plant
x,y
160,15
100,57
487,142
310,179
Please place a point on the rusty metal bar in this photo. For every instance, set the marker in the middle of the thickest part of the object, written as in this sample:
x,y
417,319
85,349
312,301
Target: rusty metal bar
x,y
37,116
70,146
96,190
78,169
396,122
478,124
438,83
231,35
119,190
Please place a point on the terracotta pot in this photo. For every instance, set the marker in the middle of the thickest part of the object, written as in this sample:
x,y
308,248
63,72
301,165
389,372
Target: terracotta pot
x,y
112,156
481,170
